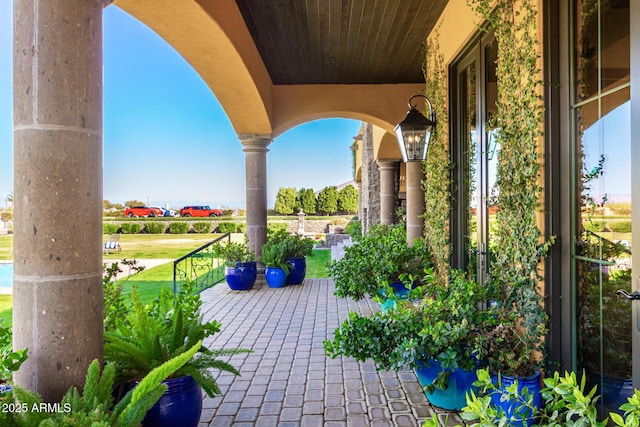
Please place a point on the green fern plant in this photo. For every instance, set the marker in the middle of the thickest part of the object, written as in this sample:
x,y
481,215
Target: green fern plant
x,y
151,335
94,407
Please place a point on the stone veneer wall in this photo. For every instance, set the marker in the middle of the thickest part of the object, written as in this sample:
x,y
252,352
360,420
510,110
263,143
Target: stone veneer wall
x,y
370,190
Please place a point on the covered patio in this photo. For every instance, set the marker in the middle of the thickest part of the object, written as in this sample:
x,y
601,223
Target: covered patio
x,y
288,380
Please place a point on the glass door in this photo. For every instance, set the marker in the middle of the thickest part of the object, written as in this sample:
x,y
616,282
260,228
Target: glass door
x,y
475,157
604,245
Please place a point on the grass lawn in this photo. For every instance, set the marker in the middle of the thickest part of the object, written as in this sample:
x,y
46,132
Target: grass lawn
x,y
156,246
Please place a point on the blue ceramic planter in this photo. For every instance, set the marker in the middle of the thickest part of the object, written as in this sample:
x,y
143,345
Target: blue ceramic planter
x,y
180,405
614,391
275,277
454,397
524,416
242,276
298,270
400,291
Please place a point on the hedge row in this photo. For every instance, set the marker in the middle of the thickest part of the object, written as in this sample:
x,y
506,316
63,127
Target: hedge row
x,y
173,227
599,226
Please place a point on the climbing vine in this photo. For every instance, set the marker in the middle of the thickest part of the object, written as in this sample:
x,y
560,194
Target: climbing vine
x,y
437,165
518,248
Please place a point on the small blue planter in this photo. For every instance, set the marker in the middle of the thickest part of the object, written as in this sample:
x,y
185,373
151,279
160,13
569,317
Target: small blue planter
x,y
298,270
524,416
275,277
454,397
241,277
180,405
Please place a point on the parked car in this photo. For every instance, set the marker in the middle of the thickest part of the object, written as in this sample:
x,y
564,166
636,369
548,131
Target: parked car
x,y
199,211
144,211
168,212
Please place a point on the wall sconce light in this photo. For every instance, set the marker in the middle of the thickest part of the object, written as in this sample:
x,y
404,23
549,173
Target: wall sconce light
x,y
414,132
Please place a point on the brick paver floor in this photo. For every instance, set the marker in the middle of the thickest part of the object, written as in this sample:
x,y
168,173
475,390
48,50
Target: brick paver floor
x,y
288,380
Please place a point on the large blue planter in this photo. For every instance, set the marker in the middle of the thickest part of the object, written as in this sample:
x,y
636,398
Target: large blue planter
x,y
180,405
523,416
454,397
400,291
614,391
298,270
242,276
275,277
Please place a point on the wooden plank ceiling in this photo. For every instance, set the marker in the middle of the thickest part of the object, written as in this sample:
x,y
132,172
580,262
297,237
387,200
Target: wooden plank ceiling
x,y
341,41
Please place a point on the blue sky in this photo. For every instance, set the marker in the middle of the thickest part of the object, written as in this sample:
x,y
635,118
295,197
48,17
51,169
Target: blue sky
x,y
166,138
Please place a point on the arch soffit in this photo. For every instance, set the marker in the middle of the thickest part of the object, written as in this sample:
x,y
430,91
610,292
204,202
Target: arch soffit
x,y
213,38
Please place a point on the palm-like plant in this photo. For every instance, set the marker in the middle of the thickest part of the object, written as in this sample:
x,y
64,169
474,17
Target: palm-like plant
x,y
150,335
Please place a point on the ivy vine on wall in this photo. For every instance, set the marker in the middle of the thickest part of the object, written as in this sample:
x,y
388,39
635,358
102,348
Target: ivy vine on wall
x,y
518,248
437,165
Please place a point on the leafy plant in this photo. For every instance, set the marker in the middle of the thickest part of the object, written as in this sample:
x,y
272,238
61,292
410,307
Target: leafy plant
x,y
273,255
10,360
151,335
110,228
233,252
131,227
227,227
442,325
354,229
95,405
295,246
115,308
381,256
567,402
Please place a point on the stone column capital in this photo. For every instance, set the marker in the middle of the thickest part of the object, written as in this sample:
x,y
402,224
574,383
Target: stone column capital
x,y
255,142
387,163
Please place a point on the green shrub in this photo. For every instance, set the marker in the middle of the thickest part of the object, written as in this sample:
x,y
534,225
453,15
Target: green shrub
x,y
202,227
178,227
227,212
242,228
228,227
596,226
154,227
623,226
110,228
273,227
354,229
131,227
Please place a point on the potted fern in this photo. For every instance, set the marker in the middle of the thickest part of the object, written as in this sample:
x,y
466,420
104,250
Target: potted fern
x,y
277,268
240,264
150,335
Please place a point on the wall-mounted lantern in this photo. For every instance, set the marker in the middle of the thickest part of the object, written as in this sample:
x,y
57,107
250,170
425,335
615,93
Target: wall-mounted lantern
x,y
414,132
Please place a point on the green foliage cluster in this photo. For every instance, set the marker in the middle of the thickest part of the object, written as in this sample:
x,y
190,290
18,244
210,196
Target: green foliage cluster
x,y
115,307
295,246
10,360
273,227
566,403
348,199
228,227
274,255
306,201
327,202
285,200
233,252
596,226
623,226
443,325
437,165
154,227
202,227
150,335
131,227
382,256
110,228
178,227
354,229
518,248
95,405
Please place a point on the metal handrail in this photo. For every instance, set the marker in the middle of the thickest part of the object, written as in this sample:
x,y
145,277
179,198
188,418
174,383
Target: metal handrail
x,y
200,261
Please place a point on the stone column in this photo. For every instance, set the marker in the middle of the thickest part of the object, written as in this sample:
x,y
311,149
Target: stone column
x,y
255,147
415,201
57,108
388,195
